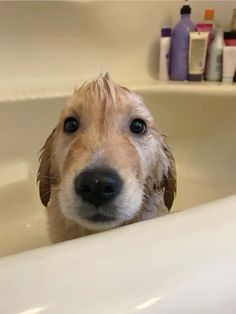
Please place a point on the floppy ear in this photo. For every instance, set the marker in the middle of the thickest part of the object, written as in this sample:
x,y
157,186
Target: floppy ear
x,y
44,172
169,179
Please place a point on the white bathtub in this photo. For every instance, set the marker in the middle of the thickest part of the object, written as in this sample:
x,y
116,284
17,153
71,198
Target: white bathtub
x,y
181,263
199,122
184,262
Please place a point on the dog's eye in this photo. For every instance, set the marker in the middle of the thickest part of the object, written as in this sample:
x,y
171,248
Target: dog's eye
x,y
71,125
138,126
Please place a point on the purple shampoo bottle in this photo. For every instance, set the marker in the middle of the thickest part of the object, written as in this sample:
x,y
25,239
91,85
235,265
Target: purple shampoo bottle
x,y
180,46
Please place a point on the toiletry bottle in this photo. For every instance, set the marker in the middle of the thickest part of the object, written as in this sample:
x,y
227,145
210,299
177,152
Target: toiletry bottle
x,y
233,23
207,24
197,55
215,56
229,64
209,18
164,54
180,46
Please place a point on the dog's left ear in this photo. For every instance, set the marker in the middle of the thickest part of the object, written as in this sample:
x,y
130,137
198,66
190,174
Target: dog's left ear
x,y
44,173
168,182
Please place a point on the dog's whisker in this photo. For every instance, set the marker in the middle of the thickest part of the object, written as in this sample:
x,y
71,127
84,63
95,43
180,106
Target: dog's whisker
x,y
45,193
162,180
170,192
167,180
50,189
49,177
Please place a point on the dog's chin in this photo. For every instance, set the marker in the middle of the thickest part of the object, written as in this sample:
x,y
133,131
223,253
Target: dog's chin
x,y
98,222
109,216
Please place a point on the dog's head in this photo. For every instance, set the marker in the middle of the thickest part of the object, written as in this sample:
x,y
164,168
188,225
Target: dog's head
x,y
105,157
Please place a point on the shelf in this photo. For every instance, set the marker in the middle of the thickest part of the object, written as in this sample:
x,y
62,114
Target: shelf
x,y
204,87
29,89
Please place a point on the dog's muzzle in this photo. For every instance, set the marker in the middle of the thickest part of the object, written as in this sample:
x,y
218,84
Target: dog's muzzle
x,y
98,186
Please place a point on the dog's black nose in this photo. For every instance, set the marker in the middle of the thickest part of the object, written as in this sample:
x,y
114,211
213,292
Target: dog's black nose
x,y
98,186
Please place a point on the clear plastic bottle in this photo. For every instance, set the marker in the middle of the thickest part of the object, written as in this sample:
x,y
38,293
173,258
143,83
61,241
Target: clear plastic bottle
x,y
180,46
215,57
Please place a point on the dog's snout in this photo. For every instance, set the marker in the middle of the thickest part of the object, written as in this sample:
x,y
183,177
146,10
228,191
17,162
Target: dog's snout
x,y
98,186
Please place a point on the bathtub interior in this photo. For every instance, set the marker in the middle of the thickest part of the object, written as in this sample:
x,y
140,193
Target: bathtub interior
x,y
201,132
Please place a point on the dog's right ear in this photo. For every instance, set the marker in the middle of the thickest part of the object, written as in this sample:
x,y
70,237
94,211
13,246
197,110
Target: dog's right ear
x,y
44,173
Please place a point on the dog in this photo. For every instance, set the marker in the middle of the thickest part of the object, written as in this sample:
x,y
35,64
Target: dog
x,y
105,164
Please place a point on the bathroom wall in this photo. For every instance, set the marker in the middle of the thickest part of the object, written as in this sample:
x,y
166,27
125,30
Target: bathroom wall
x,y
49,46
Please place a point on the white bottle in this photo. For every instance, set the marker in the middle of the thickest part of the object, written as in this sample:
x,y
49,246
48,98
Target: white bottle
x,y
215,57
164,54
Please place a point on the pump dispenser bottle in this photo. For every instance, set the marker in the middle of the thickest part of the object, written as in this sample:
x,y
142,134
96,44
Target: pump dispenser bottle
x,y
180,45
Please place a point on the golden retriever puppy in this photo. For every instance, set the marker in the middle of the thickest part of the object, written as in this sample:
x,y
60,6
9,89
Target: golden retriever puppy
x,y
105,164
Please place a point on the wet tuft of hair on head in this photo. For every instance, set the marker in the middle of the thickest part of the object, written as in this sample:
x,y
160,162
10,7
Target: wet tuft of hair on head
x,y
103,88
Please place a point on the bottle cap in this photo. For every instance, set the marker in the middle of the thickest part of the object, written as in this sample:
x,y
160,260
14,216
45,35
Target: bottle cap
x,y
229,35
209,14
166,32
186,9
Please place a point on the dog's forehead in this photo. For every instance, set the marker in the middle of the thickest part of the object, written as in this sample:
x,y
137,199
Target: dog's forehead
x,y
88,101
125,107
104,98
123,101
